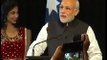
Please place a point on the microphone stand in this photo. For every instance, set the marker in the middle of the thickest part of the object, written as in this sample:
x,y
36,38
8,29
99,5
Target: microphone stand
x,y
57,37
35,45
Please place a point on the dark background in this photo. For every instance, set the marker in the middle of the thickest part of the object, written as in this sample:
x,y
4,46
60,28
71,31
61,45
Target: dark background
x,y
32,15
91,11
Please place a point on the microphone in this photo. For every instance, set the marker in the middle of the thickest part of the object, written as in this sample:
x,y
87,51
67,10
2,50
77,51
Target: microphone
x,y
76,41
56,37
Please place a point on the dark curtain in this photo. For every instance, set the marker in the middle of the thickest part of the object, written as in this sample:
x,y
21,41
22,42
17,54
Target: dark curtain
x,y
93,12
32,15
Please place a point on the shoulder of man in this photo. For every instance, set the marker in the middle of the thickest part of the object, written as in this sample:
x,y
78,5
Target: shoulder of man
x,y
81,22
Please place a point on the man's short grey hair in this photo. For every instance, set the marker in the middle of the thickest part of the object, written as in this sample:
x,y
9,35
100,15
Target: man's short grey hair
x,y
77,4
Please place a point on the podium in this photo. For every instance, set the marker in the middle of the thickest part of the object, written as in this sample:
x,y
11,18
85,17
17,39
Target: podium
x,y
38,57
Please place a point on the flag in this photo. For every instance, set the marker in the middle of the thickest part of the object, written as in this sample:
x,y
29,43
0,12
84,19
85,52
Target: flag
x,y
52,10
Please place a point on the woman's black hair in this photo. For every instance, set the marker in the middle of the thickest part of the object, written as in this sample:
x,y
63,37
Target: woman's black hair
x,y
6,6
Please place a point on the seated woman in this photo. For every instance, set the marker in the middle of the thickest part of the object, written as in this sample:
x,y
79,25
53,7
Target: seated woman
x,y
15,39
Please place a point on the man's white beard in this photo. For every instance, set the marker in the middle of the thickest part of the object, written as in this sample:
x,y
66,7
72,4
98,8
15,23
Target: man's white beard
x,y
67,20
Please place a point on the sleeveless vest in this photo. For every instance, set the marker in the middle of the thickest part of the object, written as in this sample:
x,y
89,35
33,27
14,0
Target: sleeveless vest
x,y
59,33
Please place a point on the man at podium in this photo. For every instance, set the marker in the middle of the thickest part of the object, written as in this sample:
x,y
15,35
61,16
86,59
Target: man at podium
x,y
58,32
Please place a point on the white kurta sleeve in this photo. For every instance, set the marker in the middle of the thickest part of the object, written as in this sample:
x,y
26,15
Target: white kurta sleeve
x,y
94,51
39,48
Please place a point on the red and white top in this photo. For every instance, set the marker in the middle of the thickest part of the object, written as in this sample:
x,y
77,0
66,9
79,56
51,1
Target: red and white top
x,y
13,48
